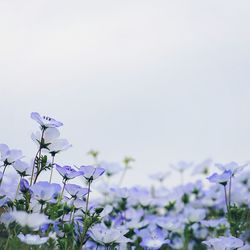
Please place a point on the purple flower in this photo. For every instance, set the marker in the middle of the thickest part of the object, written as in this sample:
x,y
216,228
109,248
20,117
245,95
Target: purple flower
x,y
181,166
44,191
58,145
90,173
220,178
24,185
68,172
23,168
49,135
152,237
231,166
224,243
45,121
76,191
9,156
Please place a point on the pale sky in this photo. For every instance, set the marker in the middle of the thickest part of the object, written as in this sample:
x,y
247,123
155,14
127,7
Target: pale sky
x,y
161,81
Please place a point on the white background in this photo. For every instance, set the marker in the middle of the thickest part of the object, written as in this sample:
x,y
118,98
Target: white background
x,y
161,81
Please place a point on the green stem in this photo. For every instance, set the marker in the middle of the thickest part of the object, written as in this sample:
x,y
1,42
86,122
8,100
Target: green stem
x,y
18,186
3,174
123,175
87,201
52,167
38,153
230,191
7,242
226,200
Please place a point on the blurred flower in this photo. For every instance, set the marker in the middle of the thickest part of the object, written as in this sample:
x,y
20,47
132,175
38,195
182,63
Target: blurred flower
x,y
58,145
203,167
6,218
160,176
152,237
231,166
49,135
32,239
194,214
215,223
111,168
108,236
224,243
220,178
44,191
45,121
91,173
3,150
32,220
76,191
9,156
181,166
23,168
24,185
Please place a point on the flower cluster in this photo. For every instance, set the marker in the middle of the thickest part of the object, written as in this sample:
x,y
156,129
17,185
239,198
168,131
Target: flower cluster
x,y
81,212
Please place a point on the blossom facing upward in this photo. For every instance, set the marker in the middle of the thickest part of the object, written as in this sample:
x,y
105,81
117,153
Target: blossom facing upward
x,y
181,166
76,191
231,166
104,235
91,173
44,191
49,135
23,168
68,172
9,156
220,178
58,145
45,121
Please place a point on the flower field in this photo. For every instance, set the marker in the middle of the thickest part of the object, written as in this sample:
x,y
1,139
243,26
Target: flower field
x,y
37,213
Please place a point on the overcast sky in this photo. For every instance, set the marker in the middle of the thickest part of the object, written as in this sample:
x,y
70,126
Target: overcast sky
x,y
161,81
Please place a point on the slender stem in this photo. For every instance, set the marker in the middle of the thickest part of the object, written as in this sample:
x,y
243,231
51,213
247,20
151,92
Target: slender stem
x,y
3,174
7,242
38,153
123,175
33,168
61,195
18,186
41,210
38,166
52,167
230,191
225,192
182,179
87,201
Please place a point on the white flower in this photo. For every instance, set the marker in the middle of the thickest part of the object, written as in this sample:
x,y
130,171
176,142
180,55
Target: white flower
x,y
31,239
58,145
160,176
111,168
9,156
195,215
23,168
34,220
103,235
49,135
203,167
45,121
231,166
181,166
6,219
224,243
